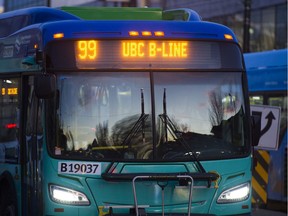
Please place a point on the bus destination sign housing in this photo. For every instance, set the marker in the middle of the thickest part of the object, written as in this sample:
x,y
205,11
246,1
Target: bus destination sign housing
x,y
90,54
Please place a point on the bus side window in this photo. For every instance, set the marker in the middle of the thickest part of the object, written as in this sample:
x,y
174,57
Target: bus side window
x,y
256,100
9,120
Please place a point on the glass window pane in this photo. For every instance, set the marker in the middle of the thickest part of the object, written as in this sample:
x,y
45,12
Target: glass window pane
x,y
256,100
268,29
109,116
199,112
281,27
9,124
107,113
255,31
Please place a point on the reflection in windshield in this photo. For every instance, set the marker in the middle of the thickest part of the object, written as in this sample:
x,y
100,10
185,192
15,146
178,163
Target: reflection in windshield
x,y
109,116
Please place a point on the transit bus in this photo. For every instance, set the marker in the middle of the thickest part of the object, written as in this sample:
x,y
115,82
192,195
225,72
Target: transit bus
x,y
122,111
267,80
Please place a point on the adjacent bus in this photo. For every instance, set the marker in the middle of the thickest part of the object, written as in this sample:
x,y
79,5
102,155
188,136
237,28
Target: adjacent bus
x,y
122,111
267,79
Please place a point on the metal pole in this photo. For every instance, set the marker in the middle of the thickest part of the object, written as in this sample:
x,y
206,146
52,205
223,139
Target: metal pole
x,y
246,26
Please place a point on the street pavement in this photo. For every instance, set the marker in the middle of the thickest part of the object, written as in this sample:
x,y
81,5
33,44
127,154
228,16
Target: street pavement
x,y
264,212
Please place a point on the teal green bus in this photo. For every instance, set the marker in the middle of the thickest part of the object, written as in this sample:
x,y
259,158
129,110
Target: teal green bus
x,y
122,111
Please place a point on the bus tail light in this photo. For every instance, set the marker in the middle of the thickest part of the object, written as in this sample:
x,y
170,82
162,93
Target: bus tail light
x,y
235,194
11,126
67,196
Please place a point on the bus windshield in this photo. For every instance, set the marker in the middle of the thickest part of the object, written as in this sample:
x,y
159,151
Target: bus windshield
x,y
149,116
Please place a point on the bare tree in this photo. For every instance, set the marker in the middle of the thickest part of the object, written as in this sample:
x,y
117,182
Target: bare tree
x,y
216,112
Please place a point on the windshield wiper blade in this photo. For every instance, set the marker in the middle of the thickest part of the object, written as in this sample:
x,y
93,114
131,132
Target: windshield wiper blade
x,y
136,127
139,124
177,135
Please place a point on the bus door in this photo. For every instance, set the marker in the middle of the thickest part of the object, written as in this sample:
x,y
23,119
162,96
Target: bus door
x,y
33,139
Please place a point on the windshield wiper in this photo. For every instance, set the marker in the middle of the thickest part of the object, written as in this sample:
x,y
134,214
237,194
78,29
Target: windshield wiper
x,y
139,124
177,135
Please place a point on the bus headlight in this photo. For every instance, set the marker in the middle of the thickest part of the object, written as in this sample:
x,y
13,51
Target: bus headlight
x,y
235,194
67,196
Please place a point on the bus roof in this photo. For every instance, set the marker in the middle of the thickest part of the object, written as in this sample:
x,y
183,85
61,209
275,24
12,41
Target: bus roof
x,y
115,13
13,21
132,13
121,29
36,27
267,71
266,59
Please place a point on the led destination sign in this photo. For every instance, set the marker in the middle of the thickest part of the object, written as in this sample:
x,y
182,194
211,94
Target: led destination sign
x,y
142,54
88,50
131,53
9,91
176,49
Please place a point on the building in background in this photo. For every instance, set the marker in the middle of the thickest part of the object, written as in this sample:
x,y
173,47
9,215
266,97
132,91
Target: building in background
x,y
10,5
14,4
266,20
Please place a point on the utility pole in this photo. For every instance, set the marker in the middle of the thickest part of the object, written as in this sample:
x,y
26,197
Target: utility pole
x,y
246,26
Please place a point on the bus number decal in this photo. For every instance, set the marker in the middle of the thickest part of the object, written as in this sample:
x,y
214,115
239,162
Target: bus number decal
x,y
79,168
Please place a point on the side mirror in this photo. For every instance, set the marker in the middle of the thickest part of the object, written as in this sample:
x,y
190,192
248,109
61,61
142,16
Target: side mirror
x,y
256,128
45,86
